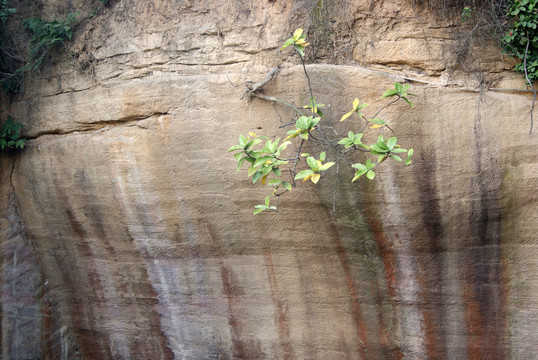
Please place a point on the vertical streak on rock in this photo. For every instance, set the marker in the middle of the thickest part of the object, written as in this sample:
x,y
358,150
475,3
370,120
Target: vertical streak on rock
x,y
431,272
281,321
233,321
162,277
485,291
353,293
83,251
87,342
20,282
387,257
405,260
306,291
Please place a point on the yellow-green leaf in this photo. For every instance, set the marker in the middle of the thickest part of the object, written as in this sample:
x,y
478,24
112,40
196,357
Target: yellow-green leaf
x,y
355,104
315,178
296,133
347,115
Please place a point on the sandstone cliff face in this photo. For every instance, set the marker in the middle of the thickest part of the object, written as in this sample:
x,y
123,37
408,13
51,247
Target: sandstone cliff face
x,y
127,234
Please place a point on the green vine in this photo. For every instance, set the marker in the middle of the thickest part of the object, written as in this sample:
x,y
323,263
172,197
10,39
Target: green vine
x,y
521,41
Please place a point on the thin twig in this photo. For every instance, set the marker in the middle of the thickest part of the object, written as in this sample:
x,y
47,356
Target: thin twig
x,y
335,187
272,98
385,106
530,83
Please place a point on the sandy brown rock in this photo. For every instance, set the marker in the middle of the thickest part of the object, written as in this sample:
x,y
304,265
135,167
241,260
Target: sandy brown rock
x,y
144,232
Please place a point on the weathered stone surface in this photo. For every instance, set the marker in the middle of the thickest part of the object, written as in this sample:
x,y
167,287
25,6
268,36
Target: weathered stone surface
x,y
144,232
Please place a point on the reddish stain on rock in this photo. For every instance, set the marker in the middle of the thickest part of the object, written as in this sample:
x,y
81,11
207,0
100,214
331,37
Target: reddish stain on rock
x,y
355,302
282,321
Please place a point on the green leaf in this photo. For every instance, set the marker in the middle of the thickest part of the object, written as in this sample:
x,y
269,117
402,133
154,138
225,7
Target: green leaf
x,y
240,163
376,148
322,156
312,162
410,152
261,160
360,167
274,182
391,142
370,174
257,176
358,174
267,201
407,101
377,121
287,43
302,123
257,211
396,157
286,185
346,142
389,93
300,49
398,150
252,170
303,174
407,162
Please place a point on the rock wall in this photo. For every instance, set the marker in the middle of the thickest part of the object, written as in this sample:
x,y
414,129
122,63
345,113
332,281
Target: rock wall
x,y
133,237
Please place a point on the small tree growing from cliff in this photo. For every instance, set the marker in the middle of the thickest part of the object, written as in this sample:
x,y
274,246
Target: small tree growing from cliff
x,y
272,162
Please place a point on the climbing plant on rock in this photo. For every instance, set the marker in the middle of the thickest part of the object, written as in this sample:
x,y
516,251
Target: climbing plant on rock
x,y
521,40
277,164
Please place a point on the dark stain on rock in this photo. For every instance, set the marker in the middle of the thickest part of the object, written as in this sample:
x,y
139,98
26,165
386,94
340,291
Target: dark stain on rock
x,y
355,308
281,320
385,250
484,289
242,349
430,261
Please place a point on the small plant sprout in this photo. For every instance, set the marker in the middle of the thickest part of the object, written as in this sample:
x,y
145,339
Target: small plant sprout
x,y
279,165
400,91
356,109
298,40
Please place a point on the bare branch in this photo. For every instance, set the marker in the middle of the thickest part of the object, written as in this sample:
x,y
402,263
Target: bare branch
x,y
528,81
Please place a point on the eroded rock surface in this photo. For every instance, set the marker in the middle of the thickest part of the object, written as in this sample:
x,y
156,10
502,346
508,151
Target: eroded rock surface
x,y
139,237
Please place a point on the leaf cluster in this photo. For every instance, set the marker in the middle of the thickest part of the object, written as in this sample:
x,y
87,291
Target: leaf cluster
x,y
268,165
10,135
263,161
521,40
46,35
303,126
316,167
